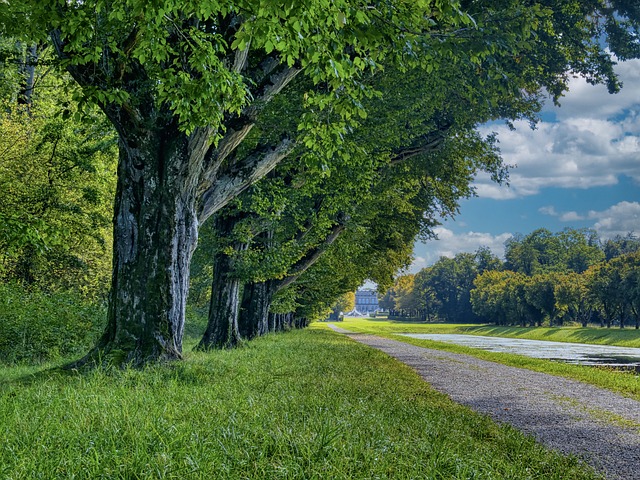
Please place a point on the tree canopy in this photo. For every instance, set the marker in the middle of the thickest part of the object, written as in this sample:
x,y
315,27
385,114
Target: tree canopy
x,y
185,84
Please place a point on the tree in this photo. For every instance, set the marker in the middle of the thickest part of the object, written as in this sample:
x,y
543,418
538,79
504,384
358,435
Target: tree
x,y
572,297
619,245
450,281
58,179
486,260
631,285
539,251
603,281
345,303
582,249
489,295
539,292
542,251
183,84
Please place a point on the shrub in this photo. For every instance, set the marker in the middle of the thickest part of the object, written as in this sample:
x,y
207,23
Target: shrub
x,y
37,326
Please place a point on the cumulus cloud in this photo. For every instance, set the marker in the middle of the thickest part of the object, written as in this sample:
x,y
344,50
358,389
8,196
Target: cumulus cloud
x,y
563,216
585,100
448,244
619,219
571,217
595,141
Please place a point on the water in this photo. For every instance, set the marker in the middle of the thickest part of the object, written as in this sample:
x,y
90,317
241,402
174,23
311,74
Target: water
x,y
577,353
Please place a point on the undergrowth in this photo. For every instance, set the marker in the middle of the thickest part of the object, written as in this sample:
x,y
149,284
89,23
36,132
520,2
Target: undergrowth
x,y
37,327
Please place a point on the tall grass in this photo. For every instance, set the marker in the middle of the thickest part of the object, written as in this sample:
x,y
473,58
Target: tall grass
x,y
307,404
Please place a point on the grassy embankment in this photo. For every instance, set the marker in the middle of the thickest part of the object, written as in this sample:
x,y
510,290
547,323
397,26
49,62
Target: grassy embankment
x,y
626,383
306,404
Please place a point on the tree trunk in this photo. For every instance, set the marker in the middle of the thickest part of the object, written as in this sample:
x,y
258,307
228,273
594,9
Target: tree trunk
x,y
27,69
155,233
222,328
254,313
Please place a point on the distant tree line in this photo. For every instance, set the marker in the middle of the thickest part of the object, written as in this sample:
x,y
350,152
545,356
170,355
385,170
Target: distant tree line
x,y
546,278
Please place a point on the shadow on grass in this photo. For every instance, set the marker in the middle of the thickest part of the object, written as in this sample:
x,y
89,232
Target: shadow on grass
x,y
37,376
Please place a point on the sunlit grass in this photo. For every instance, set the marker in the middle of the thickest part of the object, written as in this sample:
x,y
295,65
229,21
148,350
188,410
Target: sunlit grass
x,y
598,336
307,404
626,383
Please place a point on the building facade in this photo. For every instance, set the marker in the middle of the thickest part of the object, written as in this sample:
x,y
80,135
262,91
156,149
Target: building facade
x,y
366,301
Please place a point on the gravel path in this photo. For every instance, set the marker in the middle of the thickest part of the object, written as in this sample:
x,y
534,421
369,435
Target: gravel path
x,y
597,425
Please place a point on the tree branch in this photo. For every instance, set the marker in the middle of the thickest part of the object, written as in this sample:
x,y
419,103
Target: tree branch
x,y
239,177
311,257
431,144
238,128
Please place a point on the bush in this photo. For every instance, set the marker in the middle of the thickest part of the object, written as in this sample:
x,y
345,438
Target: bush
x,y
36,327
195,322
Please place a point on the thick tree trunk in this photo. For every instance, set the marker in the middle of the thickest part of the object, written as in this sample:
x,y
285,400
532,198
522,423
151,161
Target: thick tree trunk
x,y
222,327
254,313
155,233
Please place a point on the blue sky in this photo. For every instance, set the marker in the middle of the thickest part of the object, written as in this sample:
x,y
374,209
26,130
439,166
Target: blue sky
x,y
579,168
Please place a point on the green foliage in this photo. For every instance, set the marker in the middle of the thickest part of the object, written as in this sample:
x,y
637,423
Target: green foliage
x,y
345,303
58,182
37,327
311,404
187,52
619,245
608,289
543,251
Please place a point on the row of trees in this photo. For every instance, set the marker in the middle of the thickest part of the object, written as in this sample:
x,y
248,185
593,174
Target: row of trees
x,y
555,278
606,292
306,143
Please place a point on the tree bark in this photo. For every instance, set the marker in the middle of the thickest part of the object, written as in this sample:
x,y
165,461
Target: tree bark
x,y
155,233
168,182
27,69
254,313
222,327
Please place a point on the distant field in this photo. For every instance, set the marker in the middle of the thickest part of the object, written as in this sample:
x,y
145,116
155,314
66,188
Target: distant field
x,y
627,337
625,383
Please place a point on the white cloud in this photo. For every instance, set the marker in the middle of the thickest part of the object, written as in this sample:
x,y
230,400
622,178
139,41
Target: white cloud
x,y
585,100
596,141
449,244
563,216
620,219
571,217
549,210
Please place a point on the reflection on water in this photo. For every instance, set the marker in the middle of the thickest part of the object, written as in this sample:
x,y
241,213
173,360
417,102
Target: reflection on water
x,y
578,353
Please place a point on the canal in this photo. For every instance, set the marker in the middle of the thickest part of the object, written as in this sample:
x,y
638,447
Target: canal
x,y
577,353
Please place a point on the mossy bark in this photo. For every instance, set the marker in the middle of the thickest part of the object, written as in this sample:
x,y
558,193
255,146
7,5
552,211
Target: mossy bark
x,y
155,233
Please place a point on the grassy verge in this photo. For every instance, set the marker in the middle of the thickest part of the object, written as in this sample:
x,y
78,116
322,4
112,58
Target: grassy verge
x,y
598,336
625,383
307,404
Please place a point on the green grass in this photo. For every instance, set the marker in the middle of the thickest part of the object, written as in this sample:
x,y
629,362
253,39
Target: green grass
x,y
598,336
307,404
626,383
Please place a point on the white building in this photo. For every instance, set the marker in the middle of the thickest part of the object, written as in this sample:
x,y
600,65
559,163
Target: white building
x,y
366,301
